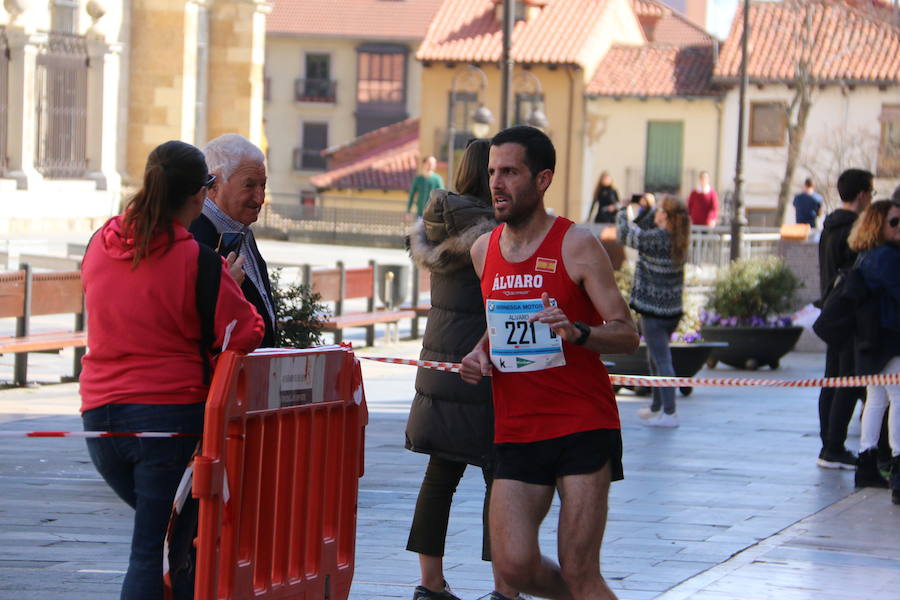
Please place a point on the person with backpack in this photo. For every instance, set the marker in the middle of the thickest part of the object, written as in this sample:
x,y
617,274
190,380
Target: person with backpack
x,y
146,365
876,236
835,256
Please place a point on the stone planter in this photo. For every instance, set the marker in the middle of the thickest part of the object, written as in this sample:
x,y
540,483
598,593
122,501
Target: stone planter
x,y
751,347
686,358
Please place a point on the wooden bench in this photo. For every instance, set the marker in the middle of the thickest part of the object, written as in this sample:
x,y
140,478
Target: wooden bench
x,y
338,284
24,294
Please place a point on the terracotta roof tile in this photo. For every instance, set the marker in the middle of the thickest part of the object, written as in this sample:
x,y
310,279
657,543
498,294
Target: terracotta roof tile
x,y
649,8
369,19
848,43
469,31
384,159
654,70
675,28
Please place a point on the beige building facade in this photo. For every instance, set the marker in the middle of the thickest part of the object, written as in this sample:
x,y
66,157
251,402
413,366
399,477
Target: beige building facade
x,y
89,87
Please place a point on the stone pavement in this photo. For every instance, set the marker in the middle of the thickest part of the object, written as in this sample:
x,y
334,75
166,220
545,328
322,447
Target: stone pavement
x,y
730,505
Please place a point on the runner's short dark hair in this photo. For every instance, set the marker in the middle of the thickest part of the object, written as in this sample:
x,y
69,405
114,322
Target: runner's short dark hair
x,y
539,151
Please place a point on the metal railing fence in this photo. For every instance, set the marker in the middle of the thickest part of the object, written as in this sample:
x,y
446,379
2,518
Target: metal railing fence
x,y
61,106
336,225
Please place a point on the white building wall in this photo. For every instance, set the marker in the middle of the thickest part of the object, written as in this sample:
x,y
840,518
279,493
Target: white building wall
x,y
28,200
843,131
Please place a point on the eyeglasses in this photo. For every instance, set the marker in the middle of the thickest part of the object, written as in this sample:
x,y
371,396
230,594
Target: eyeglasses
x,y
893,222
210,180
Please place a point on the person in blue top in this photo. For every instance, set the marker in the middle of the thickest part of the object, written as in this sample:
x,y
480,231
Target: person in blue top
x,y
876,236
424,183
808,204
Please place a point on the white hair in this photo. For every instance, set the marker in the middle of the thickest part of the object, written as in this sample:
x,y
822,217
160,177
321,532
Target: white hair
x,y
225,153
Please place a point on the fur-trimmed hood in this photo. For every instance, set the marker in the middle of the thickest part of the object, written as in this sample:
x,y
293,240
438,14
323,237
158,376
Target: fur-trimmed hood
x,y
442,240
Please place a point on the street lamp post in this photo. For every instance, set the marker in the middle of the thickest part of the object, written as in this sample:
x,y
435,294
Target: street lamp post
x,y
481,116
738,215
536,116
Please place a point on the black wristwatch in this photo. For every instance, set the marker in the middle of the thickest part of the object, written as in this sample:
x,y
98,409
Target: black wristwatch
x,y
585,330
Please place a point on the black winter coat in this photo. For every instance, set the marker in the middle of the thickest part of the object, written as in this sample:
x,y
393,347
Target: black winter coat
x,y
450,418
834,253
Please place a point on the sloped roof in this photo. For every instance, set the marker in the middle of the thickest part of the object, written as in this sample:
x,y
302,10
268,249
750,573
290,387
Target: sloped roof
x,y
675,28
847,43
649,8
366,19
469,31
384,159
654,70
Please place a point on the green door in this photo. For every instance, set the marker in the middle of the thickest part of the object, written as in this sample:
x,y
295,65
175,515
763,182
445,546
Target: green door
x,y
665,143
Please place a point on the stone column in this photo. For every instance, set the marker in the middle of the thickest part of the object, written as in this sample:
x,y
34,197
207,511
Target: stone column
x,y
236,58
22,131
162,60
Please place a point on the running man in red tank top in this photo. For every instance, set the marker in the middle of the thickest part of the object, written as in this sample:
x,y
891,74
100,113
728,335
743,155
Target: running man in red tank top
x,y
552,308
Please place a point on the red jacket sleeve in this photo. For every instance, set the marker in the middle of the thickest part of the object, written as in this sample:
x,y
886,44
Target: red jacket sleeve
x,y
231,306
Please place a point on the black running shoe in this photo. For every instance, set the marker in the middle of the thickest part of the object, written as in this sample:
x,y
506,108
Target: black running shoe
x,y
837,459
423,593
867,473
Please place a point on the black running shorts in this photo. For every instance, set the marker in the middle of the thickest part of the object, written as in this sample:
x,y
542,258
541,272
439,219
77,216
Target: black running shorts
x,y
543,462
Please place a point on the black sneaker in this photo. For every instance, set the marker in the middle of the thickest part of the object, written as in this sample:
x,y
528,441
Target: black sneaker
x,y
423,593
867,473
837,459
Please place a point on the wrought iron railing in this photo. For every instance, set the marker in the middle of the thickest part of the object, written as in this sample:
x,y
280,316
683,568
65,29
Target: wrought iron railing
x,y
306,159
61,106
315,90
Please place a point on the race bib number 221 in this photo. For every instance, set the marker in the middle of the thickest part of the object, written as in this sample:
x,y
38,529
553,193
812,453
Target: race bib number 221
x,y
518,345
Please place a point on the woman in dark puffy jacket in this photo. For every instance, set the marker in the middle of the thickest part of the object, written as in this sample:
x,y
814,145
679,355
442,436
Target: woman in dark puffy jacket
x,y
451,420
876,237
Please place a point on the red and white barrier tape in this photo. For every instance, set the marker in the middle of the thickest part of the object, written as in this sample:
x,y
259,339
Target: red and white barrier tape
x,y
95,434
651,381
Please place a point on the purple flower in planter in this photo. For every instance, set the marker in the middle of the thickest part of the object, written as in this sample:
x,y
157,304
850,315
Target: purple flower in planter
x,y
691,337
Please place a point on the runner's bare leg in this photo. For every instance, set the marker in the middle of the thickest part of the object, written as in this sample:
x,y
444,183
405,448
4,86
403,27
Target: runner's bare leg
x,y
582,520
517,509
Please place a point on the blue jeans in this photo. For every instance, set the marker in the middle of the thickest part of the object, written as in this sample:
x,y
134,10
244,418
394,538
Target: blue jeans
x,y
656,333
145,473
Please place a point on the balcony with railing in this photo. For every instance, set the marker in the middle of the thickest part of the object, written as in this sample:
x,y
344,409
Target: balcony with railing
x,y
315,90
61,106
309,159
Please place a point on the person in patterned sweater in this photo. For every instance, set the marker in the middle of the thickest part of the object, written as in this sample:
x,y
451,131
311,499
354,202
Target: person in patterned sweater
x,y
656,294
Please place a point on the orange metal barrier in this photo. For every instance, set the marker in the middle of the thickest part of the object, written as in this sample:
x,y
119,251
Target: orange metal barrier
x,y
279,474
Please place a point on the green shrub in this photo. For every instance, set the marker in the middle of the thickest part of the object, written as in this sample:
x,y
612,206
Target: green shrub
x,y
300,314
752,292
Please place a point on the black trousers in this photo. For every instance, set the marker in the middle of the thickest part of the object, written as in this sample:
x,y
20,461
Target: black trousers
x,y
429,525
836,404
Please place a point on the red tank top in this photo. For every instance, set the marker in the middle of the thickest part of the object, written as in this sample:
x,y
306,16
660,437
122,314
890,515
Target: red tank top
x,y
558,401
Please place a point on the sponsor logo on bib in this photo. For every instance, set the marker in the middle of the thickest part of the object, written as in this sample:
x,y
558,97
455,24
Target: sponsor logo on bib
x,y
547,265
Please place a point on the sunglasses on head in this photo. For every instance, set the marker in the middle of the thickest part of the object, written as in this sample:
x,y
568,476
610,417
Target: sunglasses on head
x,y
894,221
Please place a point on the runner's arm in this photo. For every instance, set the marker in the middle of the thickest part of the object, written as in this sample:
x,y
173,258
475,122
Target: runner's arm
x,y
588,265
477,364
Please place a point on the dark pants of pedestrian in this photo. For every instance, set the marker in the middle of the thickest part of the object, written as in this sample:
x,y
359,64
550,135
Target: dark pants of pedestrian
x,y
836,404
429,526
657,332
145,473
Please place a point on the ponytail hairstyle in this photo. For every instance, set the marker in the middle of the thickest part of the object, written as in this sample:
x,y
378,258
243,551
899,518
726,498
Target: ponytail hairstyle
x,y
472,174
175,171
679,225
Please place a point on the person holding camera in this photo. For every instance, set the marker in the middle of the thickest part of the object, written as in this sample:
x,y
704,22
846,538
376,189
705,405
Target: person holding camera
x,y
232,204
656,294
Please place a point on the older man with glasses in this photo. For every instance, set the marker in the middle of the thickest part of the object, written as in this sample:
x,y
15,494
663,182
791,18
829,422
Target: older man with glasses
x,y
235,197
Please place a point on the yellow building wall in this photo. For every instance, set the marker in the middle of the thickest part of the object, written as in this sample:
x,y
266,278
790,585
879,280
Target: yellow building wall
x,y
563,90
236,56
162,57
616,136
285,62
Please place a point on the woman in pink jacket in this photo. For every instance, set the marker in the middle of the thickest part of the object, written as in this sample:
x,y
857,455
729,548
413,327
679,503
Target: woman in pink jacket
x,y
144,370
